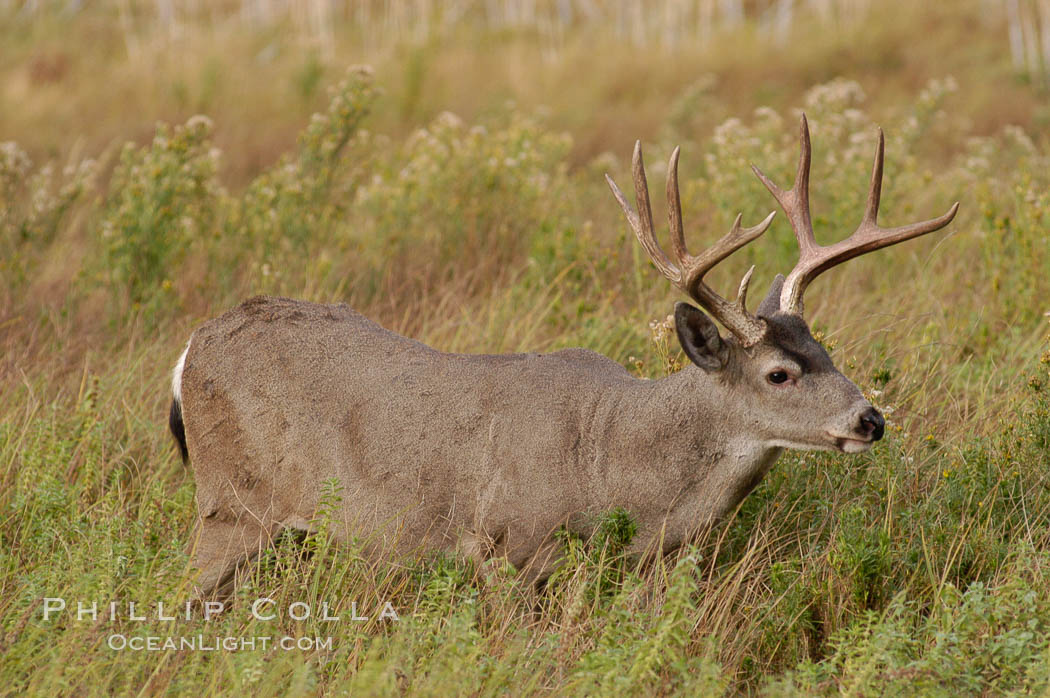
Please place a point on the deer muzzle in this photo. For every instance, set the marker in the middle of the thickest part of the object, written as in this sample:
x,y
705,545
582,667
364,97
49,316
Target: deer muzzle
x,y
871,424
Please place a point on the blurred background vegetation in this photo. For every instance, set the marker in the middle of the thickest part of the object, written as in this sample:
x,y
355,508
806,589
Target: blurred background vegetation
x,y
161,161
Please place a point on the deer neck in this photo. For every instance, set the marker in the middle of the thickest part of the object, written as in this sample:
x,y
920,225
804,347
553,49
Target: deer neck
x,y
699,442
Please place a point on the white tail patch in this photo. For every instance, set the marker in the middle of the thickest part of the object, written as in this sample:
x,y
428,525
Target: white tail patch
x,y
176,375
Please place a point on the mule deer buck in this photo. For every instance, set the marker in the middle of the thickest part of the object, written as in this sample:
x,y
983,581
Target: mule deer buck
x,y
490,454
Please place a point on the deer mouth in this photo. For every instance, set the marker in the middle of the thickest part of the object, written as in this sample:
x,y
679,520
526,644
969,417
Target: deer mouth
x,y
850,445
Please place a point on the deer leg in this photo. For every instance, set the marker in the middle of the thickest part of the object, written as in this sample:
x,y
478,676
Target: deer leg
x,y
220,547
541,564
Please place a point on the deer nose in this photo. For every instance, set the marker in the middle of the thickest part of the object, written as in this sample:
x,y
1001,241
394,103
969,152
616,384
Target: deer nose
x,y
872,424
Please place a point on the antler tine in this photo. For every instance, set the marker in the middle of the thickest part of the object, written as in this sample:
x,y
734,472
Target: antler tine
x,y
737,237
674,209
694,268
795,201
741,293
871,209
815,259
643,223
689,272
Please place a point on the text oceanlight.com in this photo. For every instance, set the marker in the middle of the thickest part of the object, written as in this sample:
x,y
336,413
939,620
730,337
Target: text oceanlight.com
x,y
215,643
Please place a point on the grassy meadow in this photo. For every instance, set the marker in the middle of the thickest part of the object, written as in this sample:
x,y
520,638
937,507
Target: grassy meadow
x,y
155,173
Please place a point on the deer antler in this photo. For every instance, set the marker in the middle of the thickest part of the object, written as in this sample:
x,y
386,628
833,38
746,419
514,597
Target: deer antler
x,y
815,259
687,272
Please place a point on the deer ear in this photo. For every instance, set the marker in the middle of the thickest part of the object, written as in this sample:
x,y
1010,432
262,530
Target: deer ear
x,y
771,303
699,338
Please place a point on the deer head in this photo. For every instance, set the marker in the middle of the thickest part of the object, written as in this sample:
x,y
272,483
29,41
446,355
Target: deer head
x,y
782,378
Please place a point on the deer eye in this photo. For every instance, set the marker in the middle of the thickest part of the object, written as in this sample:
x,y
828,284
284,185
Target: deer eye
x,y
777,377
